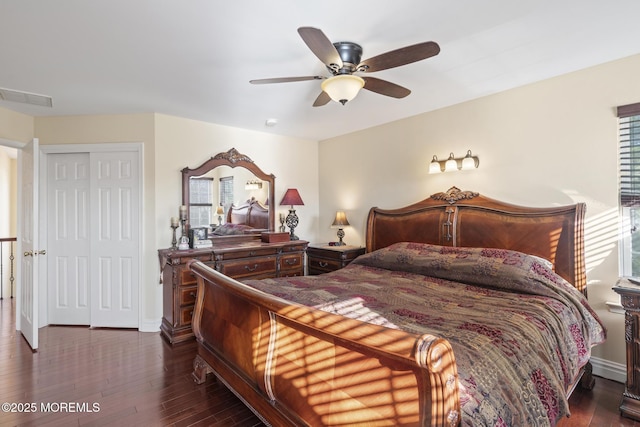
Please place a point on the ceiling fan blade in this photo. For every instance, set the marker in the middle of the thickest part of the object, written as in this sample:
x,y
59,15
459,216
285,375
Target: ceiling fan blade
x,y
284,80
384,87
398,57
322,99
321,46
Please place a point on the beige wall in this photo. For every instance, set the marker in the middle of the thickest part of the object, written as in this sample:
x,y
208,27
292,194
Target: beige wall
x,y
172,143
549,143
181,143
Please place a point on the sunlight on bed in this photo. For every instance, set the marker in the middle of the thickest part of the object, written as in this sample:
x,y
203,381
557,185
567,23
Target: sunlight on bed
x,y
343,387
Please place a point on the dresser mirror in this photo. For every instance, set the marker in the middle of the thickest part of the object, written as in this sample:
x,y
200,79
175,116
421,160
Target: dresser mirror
x,y
229,192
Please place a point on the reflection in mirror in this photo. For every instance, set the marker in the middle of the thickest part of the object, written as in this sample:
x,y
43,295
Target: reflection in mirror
x,y
222,187
233,182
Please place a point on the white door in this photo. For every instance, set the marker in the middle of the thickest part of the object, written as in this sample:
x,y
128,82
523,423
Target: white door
x,y
28,251
68,239
115,231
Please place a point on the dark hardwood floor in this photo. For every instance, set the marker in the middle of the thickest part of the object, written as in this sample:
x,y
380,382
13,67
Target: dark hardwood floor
x,y
129,378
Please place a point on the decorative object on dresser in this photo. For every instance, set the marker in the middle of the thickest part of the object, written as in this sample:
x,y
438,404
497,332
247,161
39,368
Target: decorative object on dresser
x,y
340,222
323,258
630,300
454,163
174,226
241,260
184,240
292,198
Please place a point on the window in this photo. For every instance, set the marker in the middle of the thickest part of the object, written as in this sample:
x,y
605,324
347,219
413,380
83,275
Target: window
x,y
226,192
200,202
629,128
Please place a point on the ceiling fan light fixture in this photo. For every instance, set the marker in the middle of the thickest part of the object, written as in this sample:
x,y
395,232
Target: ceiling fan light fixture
x,y
343,87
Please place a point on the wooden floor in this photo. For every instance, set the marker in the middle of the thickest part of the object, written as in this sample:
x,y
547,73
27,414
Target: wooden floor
x,y
130,378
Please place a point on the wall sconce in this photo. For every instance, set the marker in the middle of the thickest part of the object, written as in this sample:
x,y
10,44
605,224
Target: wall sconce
x,y
454,163
340,222
253,184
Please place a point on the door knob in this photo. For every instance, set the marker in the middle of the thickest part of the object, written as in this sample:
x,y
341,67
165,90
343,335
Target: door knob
x,y
42,252
28,253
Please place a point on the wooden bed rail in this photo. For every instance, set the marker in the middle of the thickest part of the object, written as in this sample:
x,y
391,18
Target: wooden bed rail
x,y
295,365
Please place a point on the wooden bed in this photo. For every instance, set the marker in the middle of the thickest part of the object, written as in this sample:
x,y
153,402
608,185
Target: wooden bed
x,y
251,213
355,373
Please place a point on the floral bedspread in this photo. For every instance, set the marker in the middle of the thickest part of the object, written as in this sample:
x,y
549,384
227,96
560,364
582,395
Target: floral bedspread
x,y
520,333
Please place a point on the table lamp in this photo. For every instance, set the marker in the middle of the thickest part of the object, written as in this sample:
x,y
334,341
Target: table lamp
x,y
292,198
340,222
220,212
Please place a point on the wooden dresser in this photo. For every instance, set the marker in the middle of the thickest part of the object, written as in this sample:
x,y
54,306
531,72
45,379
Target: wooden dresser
x,y
630,300
243,260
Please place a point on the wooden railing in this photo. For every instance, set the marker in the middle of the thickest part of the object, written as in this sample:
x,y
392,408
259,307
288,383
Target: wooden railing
x,y
7,245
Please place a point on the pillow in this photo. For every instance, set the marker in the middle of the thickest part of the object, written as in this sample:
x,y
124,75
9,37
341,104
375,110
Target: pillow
x,y
229,229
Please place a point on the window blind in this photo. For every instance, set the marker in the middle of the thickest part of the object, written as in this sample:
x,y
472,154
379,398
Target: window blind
x,y
629,127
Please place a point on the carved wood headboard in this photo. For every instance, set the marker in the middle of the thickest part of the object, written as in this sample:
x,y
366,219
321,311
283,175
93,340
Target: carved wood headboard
x,y
465,218
252,213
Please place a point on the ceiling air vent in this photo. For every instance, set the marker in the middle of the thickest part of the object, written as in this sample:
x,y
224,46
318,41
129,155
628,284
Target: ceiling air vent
x,y
25,97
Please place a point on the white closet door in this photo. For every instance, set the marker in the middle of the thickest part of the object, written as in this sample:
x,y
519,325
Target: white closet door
x,y
68,239
115,232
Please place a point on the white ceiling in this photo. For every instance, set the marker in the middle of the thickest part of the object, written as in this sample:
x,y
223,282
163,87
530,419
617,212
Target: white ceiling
x,y
194,58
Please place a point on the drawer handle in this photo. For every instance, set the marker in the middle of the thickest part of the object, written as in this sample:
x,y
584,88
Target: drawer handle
x,y
322,264
291,261
192,294
252,253
255,267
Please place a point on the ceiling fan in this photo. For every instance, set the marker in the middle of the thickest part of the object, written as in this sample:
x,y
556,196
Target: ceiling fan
x,y
343,59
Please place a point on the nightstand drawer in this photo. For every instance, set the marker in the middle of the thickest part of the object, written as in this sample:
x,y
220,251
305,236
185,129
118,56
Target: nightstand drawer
x,y
323,265
324,259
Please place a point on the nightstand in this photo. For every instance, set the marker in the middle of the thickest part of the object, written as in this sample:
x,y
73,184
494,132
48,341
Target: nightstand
x,y
630,300
323,258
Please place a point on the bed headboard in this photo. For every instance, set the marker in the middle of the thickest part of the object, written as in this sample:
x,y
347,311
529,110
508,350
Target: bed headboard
x,y
251,213
465,218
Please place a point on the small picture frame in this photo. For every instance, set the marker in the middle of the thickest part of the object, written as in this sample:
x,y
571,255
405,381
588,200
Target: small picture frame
x,y
196,234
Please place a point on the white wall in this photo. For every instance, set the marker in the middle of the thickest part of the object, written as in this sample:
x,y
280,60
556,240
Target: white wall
x,y
545,144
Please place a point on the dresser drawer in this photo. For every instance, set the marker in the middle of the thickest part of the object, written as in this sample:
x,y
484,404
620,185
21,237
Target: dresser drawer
x,y
251,267
292,265
186,314
248,253
188,295
187,278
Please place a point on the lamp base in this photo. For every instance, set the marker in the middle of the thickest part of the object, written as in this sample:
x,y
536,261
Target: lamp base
x,y
340,237
292,223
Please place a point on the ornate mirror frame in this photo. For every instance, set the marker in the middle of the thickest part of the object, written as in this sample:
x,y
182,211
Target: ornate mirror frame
x,y
233,159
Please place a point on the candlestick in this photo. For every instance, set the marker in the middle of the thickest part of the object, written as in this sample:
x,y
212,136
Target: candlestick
x,y
174,240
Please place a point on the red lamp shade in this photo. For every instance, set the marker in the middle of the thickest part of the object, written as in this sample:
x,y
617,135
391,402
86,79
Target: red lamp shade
x,y
292,198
